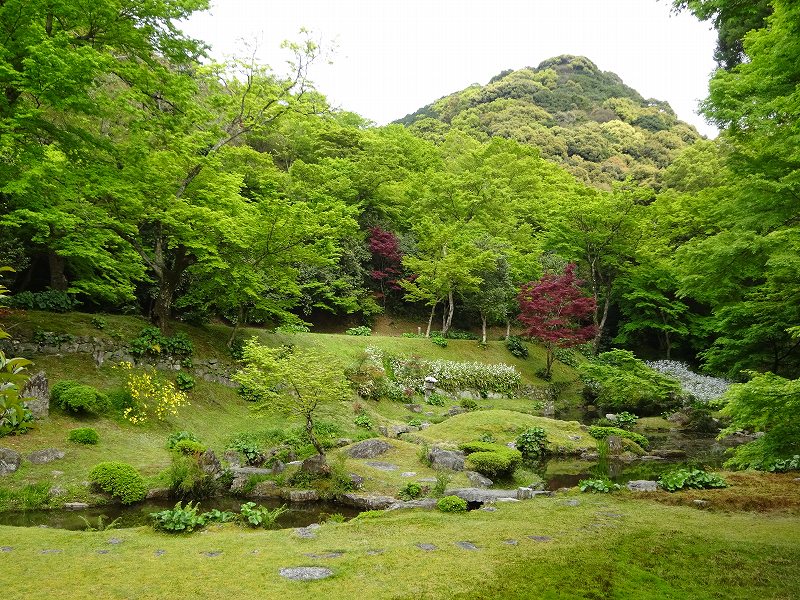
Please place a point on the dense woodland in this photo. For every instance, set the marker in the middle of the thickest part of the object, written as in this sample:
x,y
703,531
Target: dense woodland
x,y
137,176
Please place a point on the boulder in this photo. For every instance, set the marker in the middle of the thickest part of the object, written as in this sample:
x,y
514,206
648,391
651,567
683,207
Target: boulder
x,y
356,480
482,495
642,485
368,448
456,410
615,446
233,458
41,457
414,408
158,493
526,493
316,465
75,505
265,489
341,442
303,495
446,459
679,418
478,480
367,502
209,463
420,503
37,392
395,431
9,461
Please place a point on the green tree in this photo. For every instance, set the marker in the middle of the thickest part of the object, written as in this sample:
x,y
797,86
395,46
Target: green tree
x,y
296,382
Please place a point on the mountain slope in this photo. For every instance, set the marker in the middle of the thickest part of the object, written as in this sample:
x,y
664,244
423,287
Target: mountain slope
x,y
585,119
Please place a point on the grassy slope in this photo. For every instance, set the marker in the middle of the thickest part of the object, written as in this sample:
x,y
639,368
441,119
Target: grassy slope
x,y
607,547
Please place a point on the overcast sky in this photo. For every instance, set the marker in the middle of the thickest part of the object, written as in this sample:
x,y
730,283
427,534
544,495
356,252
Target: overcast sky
x,y
391,58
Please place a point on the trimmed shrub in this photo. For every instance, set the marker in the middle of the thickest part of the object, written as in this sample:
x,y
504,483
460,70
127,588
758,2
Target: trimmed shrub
x,y
411,491
120,480
189,447
601,433
78,398
492,460
468,404
84,435
452,504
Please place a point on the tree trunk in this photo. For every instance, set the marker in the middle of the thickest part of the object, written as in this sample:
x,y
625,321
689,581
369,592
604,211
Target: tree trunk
x,y
451,307
483,327
58,278
430,319
508,328
169,278
601,325
310,432
549,365
239,319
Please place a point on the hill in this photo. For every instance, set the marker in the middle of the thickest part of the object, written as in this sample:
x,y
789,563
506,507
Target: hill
x,y
585,119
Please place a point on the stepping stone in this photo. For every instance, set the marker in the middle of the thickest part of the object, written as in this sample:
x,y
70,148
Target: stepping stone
x,y
51,552
382,466
511,542
325,555
427,547
488,508
467,546
408,474
213,553
305,573
427,479
571,502
103,551
701,503
6,548
159,552
375,552
308,532
115,541
539,538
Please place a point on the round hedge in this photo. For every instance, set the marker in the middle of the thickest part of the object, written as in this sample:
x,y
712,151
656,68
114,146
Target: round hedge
x,y
120,480
84,435
78,398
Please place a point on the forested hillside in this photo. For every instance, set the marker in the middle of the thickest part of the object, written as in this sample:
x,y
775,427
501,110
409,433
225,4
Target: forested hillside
x,y
576,115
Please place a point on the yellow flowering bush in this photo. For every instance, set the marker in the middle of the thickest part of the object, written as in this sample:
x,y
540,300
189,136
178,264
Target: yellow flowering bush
x,y
153,397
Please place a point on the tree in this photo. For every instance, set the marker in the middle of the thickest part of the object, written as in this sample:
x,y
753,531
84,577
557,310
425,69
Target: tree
x,y
387,260
554,311
296,382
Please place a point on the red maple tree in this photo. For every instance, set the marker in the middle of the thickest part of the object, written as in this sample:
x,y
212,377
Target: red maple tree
x,y
387,258
555,311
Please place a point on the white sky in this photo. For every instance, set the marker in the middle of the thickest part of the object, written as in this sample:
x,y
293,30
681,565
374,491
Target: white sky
x,y
391,58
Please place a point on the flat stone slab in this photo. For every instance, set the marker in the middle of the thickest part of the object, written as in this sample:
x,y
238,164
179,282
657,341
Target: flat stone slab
x,y
308,532
571,502
510,542
75,505
305,573
213,553
6,548
41,457
103,551
52,551
375,552
159,552
489,508
642,485
248,471
540,538
427,547
420,503
382,466
115,540
367,502
408,474
482,494
325,555
467,546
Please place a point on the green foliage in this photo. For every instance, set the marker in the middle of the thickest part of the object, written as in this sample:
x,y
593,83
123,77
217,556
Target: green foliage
x,y
566,356
99,322
516,346
180,519
442,481
457,334
247,446
78,398
697,479
488,438
120,480
362,330
189,447
362,420
435,399
292,328
152,342
260,516
597,486
439,341
769,404
532,442
452,504
411,491
84,435
184,381
468,404
601,433
492,460
186,478
618,380
14,416
626,420
50,300
180,436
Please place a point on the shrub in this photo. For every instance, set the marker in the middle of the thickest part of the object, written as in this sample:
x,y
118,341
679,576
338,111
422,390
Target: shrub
x,y
151,342
120,480
187,479
566,356
516,346
14,416
532,442
439,341
78,398
458,334
601,433
362,330
260,516
247,446
292,328
362,420
99,322
152,396
617,380
626,420
411,491
84,435
435,399
442,481
468,404
488,438
597,486
184,381
180,519
492,460
179,436
690,479
452,504
49,300
189,447
412,335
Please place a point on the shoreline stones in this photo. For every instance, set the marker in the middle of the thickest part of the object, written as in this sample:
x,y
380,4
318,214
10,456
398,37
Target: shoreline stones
x,y
367,502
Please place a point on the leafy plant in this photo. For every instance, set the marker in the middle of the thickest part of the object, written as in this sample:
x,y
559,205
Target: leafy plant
x,y
361,330
362,420
292,328
120,480
487,438
439,341
442,481
78,398
626,420
452,504
679,479
597,486
179,519
411,491
247,446
84,435
435,399
601,433
152,342
532,442
468,404
99,322
516,346
49,300
179,436
260,516
152,396
184,381
218,516
14,416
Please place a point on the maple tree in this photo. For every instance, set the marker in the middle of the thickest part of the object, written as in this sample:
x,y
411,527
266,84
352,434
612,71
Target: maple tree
x,y
387,258
555,310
